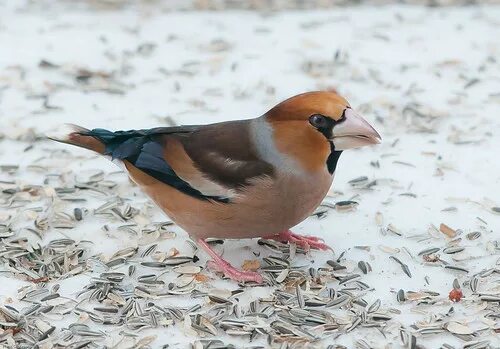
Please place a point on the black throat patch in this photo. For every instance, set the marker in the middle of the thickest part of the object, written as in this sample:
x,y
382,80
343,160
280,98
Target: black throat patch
x,y
333,158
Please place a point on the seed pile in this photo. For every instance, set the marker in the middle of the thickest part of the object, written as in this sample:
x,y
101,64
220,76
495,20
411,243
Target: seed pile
x,y
307,304
126,293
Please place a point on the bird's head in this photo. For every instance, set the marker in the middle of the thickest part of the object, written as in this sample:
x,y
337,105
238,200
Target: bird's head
x,y
312,125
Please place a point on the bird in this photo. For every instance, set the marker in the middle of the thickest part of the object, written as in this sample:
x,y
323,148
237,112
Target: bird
x,y
248,178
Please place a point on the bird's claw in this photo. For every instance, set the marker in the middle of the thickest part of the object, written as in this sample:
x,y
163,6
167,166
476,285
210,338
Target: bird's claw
x,y
305,241
234,274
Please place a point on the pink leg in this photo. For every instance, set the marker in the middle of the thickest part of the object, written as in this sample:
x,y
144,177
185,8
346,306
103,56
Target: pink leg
x,y
303,241
221,265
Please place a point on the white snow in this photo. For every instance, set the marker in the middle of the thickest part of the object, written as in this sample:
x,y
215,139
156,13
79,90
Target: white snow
x,y
229,65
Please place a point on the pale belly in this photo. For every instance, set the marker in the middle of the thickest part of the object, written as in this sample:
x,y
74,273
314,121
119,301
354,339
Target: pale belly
x,y
269,207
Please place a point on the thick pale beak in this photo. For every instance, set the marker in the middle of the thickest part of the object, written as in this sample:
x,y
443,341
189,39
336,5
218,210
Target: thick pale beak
x,y
354,132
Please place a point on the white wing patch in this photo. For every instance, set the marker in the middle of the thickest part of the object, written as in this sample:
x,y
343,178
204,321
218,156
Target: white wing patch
x,y
209,188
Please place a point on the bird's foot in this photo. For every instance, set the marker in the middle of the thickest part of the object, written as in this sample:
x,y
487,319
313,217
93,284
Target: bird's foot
x,y
234,274
219,264
305,241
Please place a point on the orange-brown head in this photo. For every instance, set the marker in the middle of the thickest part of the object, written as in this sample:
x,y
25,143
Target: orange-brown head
x,y
314,127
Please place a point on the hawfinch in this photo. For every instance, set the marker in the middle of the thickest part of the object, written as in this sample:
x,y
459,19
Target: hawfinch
x,y
244,178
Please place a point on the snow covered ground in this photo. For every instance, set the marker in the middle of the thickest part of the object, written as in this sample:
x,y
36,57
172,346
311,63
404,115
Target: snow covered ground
x,y
428,79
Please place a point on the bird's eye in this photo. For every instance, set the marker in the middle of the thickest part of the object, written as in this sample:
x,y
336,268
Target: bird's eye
x,y
318,121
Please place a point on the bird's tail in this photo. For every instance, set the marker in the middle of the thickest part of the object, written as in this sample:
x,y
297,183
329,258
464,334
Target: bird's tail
x,y
79,136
